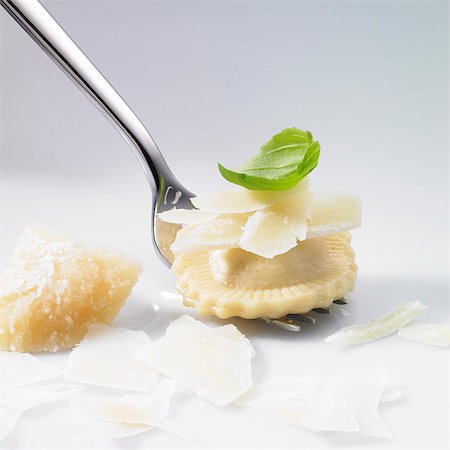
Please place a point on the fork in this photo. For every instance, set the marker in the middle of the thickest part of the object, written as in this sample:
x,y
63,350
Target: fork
x,y
167,190
48,34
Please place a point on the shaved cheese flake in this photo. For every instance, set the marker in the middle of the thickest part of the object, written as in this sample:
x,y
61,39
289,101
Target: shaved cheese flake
x,y
156,402
8,419
242,200
215,367
105,357
318,416
231,332
314,410
333,213
275,230
160,396
119,417
172,427
328,409
21,369
287,387
427,333
223,232
328,419
287,410
346,402
114,430
187,216
378,327
268,234
364,393
31,396
126,409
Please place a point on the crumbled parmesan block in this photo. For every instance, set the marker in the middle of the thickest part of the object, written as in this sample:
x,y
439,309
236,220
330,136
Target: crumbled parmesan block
x,y
53,289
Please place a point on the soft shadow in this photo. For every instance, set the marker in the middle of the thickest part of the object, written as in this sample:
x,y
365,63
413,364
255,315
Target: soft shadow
x,y
372,296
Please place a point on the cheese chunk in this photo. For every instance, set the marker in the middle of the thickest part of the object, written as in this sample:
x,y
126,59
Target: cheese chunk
x,y
53,289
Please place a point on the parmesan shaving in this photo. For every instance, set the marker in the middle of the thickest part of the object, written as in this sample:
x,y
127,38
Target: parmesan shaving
x,y
329,409
241,200
363,396
346,402
215,367
187,216
288,387
378,327
437,334
21,369
333,212
31,396
119,417
268,234
8,419
231,332
106,358
114,430
276,229
223,232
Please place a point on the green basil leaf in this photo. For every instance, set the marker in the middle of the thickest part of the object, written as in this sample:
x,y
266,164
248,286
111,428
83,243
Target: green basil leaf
x,y
282,162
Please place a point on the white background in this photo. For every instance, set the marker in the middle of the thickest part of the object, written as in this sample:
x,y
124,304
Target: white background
x,y
213,81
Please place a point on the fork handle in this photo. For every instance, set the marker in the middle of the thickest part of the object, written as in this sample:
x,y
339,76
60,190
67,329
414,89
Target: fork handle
x,y
48,34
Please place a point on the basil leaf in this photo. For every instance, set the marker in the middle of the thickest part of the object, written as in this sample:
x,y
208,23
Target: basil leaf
x,y
282,162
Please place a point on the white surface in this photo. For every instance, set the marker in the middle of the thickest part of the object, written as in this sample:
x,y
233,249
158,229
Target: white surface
x,y
213,82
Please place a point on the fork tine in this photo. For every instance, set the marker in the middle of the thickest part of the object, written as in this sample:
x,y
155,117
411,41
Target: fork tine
x,y
321,310
283,322
340,301
291,322
303,318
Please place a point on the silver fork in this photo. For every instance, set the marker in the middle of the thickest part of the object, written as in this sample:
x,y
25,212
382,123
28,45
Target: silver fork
x,y
47,33
167,191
